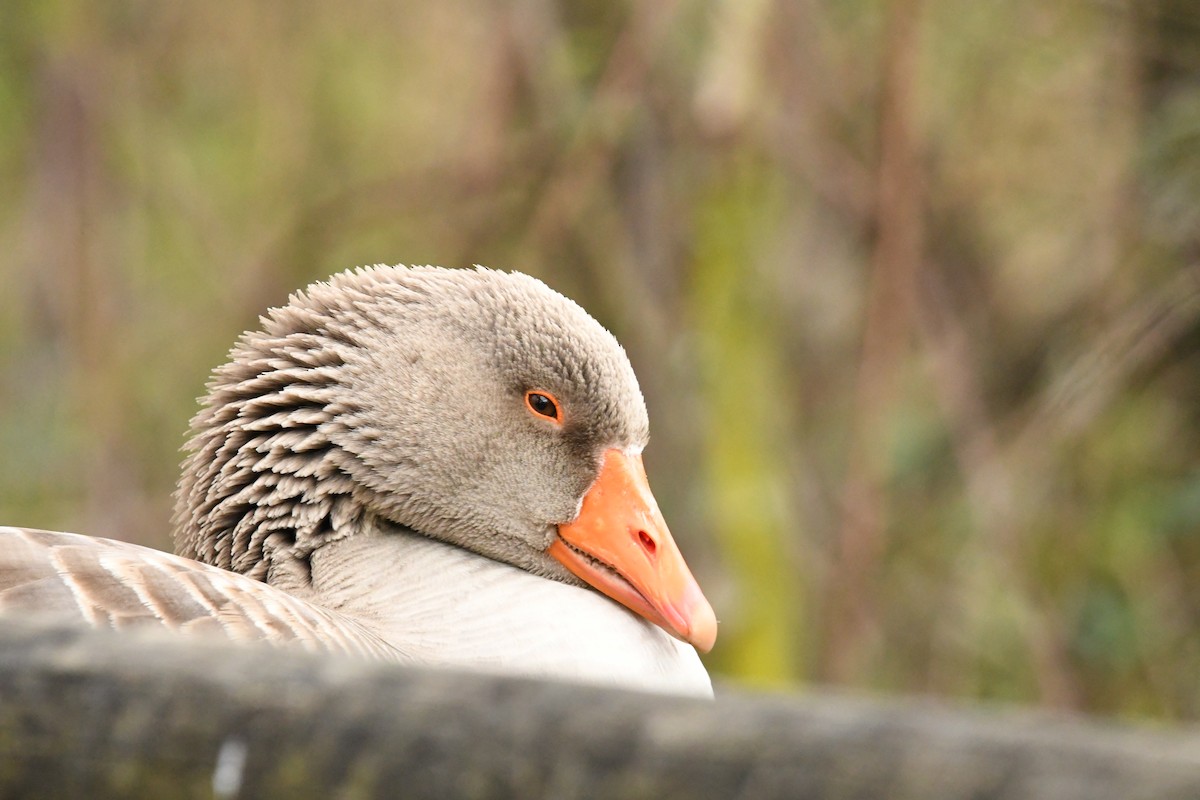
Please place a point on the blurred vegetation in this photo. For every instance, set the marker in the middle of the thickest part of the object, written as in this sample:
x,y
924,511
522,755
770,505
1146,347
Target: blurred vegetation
x,y
912,287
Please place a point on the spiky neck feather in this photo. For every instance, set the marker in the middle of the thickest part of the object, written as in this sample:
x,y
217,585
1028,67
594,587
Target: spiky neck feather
x,y
263,476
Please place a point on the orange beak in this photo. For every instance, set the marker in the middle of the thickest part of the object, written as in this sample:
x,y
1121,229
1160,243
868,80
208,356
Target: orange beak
x,y
620,545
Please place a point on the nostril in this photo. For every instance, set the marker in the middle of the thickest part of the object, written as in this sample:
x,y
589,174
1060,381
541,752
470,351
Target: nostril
x,y
648,542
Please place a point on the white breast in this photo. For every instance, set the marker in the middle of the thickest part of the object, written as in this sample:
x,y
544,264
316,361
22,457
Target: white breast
x,y
442,604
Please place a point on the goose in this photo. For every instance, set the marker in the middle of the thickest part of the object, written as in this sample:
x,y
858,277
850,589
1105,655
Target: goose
x,y
425,465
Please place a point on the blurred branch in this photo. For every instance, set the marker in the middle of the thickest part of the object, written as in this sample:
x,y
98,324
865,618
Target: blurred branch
x,y
727,83
813,109
587,158
895,266
1004,478
461,185
1137,337
82,286
995,502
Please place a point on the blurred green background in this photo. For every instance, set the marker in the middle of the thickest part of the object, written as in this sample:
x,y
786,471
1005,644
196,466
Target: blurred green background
x,y
912,287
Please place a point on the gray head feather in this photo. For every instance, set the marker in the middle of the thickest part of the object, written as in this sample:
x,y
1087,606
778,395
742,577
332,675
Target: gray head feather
x,y
394,396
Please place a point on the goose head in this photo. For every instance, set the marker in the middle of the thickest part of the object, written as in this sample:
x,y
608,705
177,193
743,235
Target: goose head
x,y
475,407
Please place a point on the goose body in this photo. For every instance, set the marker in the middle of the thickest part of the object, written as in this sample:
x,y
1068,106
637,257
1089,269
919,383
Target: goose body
x,y
428,466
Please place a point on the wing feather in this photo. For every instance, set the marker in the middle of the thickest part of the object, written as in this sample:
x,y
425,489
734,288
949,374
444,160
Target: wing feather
x,y
104,583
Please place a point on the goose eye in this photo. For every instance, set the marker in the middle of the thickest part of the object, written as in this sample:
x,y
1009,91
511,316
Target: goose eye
x,y
542,404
